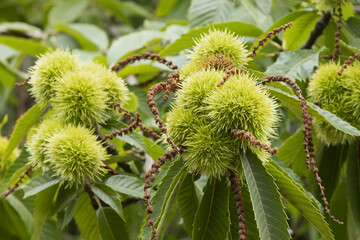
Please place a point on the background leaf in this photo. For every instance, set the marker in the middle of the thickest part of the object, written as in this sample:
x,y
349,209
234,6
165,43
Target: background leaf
x,y
299,64
209,11
27,46
127,184
187,40
111,226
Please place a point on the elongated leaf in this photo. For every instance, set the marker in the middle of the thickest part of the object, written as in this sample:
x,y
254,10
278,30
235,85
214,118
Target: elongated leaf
x,y
85,218
6,77
299,64
126,184
209,11
284,20
269,210
353,184
292,102
22,126
300,32
27,46
23,211
67,11
38,184
158,198
119,8
169,201
69,213
297,196
188,203
11,225
339,206
292,150
212,220
130,42
13,173
143,143
43,205
164,7
109,196
188,40
88,36
50,231
112,227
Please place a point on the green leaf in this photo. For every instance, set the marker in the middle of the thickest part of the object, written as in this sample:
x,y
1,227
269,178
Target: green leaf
x,y
300,32
27,46
299,64
23,125
85,218
130,42
164,7
293,102
292,150
202,12
69,213
38,184
353,184
23,211
6,77
11,225
187,40
143,143
13,173
167,182
108,196
212,220
339,206
126,184
67,11
284,20
188,202
297,196
88,36
119,8
112,227
50,231
269,210
138,69
43,205
133,102
21,28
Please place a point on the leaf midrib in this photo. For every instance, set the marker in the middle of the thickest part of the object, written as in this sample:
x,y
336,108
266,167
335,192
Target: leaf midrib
x,y
210,210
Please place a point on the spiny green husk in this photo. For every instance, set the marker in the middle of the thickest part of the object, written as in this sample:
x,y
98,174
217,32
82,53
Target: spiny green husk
x,y
115,87
220,50
332,92
203,114
37,144
47,69
80,98
352,82
74,155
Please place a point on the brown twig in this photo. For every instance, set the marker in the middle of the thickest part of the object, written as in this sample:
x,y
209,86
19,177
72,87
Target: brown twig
x,y
262,41
148,56
148,178
24,82
27,172
337,35
229,73
308,144
110,169
236,189
246,136
348,62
